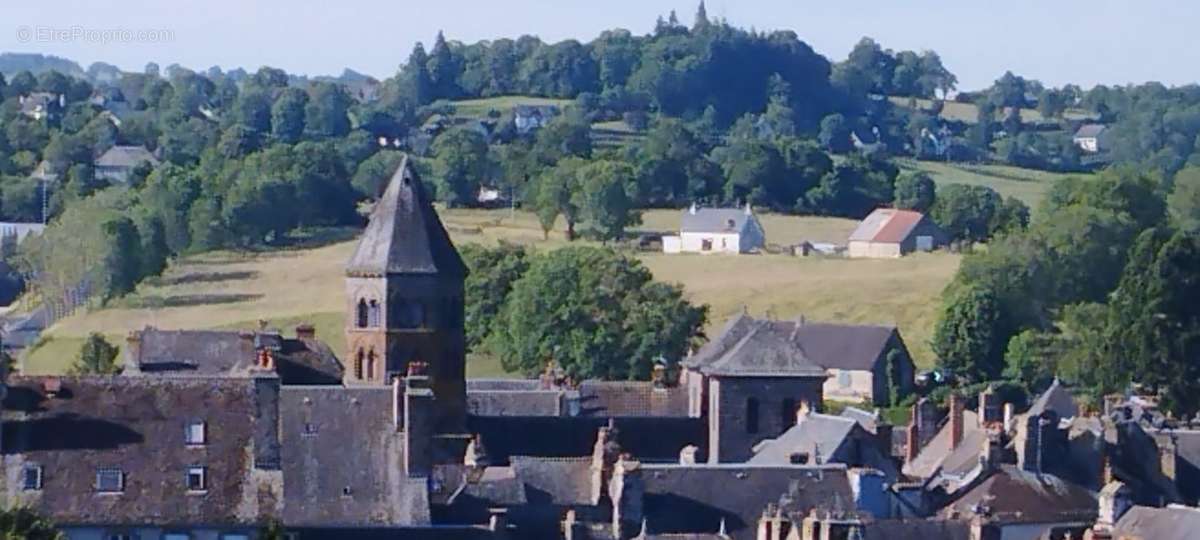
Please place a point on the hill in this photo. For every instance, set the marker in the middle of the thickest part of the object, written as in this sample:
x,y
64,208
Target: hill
x,y
11,63
235,290
479,108
1028,185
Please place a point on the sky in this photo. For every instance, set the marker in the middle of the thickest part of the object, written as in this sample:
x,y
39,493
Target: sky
x,y
1055,41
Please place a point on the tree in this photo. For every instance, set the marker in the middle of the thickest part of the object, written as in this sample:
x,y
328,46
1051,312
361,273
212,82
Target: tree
x,y
835,134
460,165
1184,201
595,313
253,110
554,195
1032,359
122,266
372,175
971,334
96,357
19,523
915,191
326,114
966,212
444,67
492,274
287,115
605,197
154,251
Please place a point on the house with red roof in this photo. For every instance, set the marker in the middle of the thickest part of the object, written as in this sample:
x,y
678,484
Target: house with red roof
x,y
889,232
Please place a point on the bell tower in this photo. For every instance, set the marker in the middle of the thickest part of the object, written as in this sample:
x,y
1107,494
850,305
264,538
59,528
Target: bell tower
x,y
404,294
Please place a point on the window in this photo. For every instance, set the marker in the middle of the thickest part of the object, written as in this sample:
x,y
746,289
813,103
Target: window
x,y
122,535
31,477
787,413
371,364
844,379
751,415
196,433
706,244
110,480
373,314
310,428
361,315
358,365
197,479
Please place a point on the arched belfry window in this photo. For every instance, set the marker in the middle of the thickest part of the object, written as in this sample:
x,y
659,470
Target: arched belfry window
x,y
362,314
371,364
358,365
373,319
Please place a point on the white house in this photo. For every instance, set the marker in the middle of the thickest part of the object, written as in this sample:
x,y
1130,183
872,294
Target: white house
x,y
1091,138
716,230
119,161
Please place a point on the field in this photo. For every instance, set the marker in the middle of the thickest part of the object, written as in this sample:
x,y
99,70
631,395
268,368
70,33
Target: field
x,y
967,112
235,290
1027,185
478,108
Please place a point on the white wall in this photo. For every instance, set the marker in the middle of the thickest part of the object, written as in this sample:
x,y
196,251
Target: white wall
x,y
874,250
859,385
721,242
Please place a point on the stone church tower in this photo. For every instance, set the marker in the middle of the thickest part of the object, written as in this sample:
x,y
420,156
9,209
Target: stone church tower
x,y
404,290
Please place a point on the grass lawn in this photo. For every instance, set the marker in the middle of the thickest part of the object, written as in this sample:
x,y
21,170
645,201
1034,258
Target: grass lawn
x,y
478,108
235,290
969,113
1027,185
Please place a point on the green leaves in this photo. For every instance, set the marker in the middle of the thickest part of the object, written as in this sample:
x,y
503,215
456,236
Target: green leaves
x,y
96,357
596,313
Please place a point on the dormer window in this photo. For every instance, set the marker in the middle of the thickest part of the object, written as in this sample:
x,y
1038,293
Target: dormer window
x,y
110,480
31,477
196,433
197,478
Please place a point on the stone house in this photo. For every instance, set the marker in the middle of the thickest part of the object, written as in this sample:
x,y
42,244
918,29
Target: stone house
x,y
1091,138
717,230
116,164
888,233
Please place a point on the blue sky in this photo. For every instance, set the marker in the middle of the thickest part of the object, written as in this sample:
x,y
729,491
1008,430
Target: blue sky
x,y
1055,41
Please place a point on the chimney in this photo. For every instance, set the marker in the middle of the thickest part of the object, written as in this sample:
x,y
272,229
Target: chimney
x,y
659,376
267,445
692,210
687,456
803,411
1008,417
626,491
605,454
1168,459
990,409
52,386
476,455
1115,499
306,331
927,420
572,529
418,425
956,421
133,352
498,521
397,404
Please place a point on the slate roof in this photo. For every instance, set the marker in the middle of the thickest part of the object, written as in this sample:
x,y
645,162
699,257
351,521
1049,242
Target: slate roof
x,y
631,399
125,157
827,345
228,353
1088,131
917,529
767,350
136,425
887,225
336,438
938,450
1012,495
555,481
650,439
514,402
818,433
1056,398
404,234
695,498
1149,523
480,488
714,220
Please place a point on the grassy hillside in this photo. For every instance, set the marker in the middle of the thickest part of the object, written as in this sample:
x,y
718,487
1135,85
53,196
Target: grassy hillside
x,y
1026,184
235,290
969,113
478,108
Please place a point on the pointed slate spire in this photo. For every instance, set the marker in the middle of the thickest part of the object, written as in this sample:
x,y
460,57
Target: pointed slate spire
x,y
404,234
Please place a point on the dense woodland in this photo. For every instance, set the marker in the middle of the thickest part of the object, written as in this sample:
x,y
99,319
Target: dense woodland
x,y
724,116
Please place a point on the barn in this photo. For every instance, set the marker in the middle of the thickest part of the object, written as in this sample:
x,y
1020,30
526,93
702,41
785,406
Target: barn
x,y
889,232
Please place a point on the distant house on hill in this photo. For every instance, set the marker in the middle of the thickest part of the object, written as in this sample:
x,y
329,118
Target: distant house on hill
x,y
118,162
20,230
717,230
41,105
889,232
1092,138
530,118
46,172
